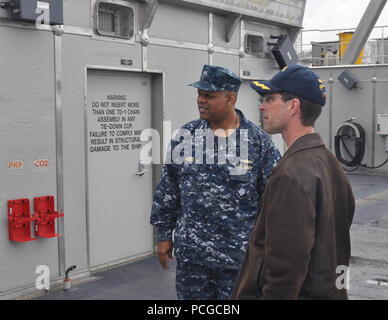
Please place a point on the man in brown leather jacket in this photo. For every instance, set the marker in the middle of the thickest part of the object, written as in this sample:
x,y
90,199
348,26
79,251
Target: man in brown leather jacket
x,y
300,244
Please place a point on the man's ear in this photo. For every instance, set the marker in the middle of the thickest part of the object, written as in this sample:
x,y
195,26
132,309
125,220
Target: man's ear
x,y
294,107
232,98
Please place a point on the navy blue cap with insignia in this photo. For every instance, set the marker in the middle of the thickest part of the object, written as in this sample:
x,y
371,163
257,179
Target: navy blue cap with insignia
x,y
214,78
295,79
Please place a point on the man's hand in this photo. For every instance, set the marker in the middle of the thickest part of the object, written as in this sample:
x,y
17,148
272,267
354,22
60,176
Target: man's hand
x,y
165,253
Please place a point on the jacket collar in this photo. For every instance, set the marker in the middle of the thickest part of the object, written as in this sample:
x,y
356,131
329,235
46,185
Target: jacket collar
x,y
308,141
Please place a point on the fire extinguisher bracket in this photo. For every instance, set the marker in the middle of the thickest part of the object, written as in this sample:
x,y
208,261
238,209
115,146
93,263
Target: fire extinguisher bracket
x,y
45,217
19,220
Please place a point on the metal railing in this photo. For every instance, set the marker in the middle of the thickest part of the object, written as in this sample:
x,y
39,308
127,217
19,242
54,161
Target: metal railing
x,y
313,46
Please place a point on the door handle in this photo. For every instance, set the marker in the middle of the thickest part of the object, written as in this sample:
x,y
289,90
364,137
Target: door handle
x,y
142,172
141,169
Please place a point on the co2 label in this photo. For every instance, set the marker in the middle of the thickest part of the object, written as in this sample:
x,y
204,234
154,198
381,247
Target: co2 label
x,y
41,163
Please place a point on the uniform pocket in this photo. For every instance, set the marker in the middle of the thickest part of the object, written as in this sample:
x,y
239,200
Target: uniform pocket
x,y
242,187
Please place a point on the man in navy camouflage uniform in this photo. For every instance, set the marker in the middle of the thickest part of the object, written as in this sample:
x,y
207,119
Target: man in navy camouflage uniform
x,y
211,196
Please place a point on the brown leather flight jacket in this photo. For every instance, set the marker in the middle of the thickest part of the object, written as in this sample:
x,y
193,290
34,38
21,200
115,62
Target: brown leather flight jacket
x,y
300,243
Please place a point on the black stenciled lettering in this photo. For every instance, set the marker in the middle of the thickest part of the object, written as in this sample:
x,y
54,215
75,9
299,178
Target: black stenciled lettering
x,y
100,149
133,104
135,111
116,97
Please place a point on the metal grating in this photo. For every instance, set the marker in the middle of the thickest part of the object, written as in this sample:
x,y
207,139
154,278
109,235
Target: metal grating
x,y
115,20
254,44
106,22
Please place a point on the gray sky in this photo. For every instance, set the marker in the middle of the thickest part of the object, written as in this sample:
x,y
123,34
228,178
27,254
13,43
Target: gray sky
x,y
333,14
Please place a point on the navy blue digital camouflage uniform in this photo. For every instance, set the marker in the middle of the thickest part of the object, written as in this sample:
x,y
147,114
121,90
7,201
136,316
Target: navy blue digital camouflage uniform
x,y
212,209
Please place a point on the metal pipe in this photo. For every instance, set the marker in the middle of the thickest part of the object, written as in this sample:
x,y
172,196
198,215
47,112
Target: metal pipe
x,y
59,151
67,280
363,31
68,270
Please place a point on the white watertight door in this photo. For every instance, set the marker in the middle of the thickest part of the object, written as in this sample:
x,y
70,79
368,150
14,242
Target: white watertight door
x,y
119,191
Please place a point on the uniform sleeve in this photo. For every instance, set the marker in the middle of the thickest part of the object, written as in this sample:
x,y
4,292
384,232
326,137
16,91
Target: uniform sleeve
x,y
269,158
289,239
166,205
